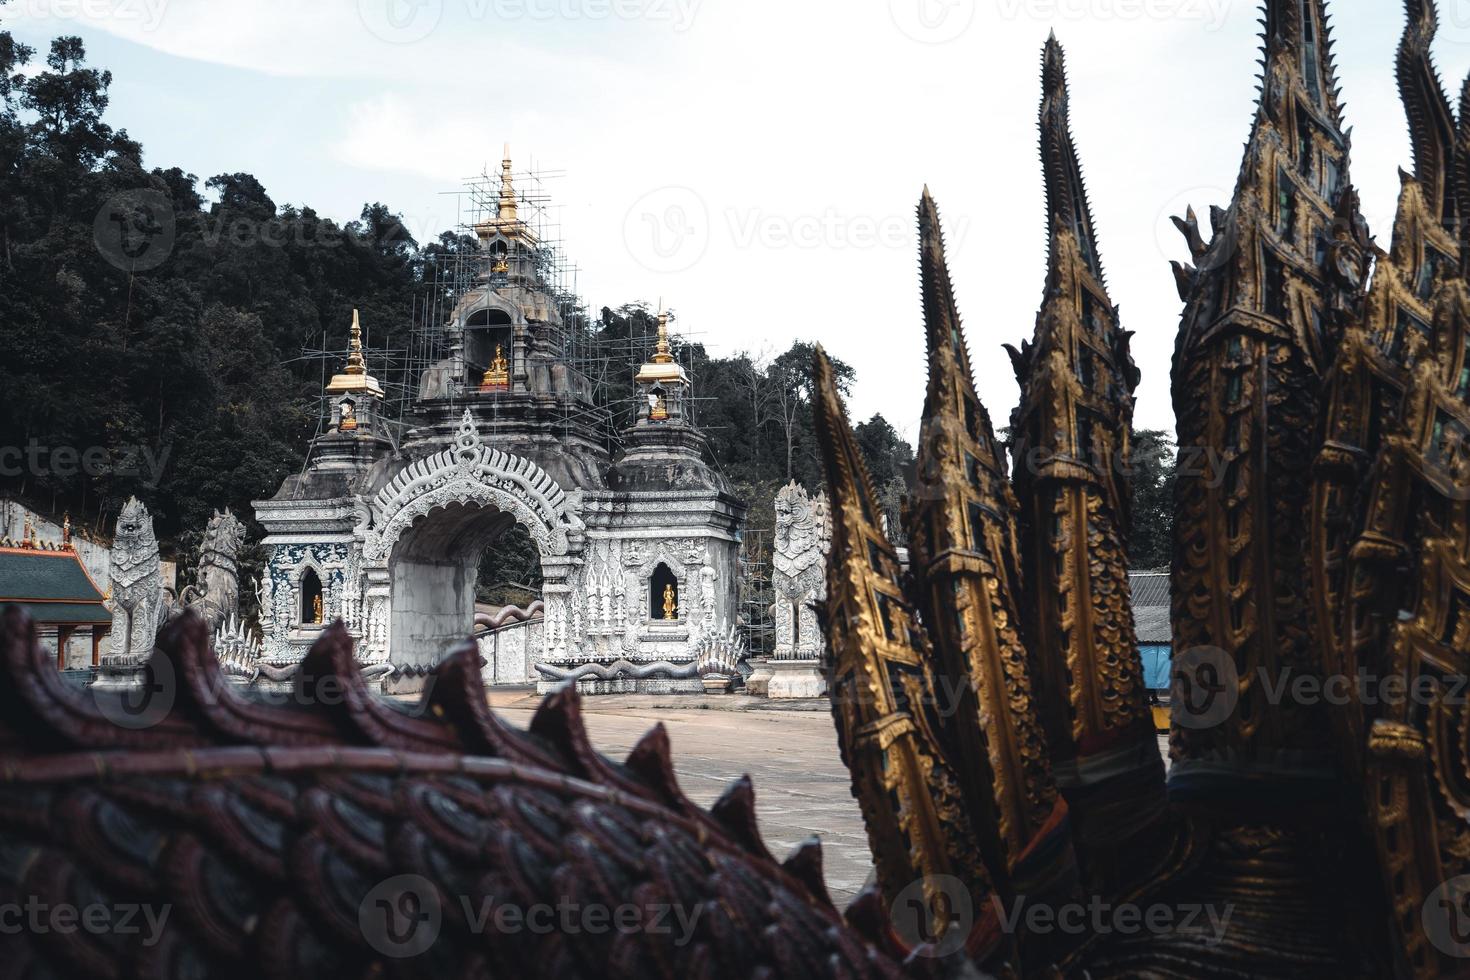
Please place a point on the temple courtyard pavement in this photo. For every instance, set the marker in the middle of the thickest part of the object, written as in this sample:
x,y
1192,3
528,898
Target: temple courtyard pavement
x,y
789,748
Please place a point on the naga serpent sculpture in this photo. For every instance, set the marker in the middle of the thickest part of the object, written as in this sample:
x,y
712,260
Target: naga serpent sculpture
x,y
989,701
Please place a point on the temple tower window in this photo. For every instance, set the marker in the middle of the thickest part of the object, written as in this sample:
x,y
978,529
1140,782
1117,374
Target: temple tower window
x,y
311,598
663,594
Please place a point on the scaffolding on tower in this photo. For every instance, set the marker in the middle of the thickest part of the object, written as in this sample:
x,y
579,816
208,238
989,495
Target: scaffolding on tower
x,y
597,364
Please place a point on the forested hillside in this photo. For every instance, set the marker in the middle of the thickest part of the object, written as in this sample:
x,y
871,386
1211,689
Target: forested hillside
x,y
152,325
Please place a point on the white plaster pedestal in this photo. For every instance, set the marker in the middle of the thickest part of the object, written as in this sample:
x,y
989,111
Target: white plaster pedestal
x,y
718,684
119,673
756,683
796,679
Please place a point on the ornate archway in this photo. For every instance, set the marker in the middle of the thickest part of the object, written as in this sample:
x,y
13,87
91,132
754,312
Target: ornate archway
x,y
430,523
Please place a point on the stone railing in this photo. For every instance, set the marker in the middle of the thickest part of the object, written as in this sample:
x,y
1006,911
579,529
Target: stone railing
x,y
510,649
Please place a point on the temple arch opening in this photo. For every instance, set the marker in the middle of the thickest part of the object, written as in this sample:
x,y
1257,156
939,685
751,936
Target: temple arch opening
x,y
435,569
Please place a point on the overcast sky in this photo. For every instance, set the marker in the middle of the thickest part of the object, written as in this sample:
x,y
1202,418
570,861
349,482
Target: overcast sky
x,y
754,163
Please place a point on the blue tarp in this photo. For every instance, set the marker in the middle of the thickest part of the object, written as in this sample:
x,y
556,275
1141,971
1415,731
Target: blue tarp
x,y
1156,662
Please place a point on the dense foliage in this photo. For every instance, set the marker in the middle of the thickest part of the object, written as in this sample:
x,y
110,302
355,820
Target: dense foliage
x,y
1151,469
147,331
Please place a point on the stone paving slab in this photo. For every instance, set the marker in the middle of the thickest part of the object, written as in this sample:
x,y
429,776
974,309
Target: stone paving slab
x,y
526,697
790,752
789,749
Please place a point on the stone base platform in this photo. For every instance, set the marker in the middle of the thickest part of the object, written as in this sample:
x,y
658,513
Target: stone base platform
x,y
629,685
796,679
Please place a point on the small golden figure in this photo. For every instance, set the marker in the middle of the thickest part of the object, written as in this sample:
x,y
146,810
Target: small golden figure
x,y
349,418
671,603
498,377
316,609
501,267
660,410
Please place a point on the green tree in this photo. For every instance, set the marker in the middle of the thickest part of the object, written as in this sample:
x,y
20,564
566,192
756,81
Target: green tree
x,y
889,456
183,371
510,570
1152,469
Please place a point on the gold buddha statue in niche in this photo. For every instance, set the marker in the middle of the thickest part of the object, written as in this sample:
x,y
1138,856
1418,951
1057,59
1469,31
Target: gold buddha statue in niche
x,y
498,377
659,412
671,603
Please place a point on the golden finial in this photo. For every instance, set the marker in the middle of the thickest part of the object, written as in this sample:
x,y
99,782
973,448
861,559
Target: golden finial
x,y
354,376
662,369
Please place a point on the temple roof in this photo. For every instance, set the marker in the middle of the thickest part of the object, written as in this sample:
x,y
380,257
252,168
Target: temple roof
x,y
1151,607
52,586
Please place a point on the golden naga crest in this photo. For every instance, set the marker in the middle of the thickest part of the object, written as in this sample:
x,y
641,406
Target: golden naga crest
x,y
989,698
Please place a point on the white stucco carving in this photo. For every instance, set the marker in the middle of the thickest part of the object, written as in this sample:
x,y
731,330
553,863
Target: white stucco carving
x,y
473,473
799,571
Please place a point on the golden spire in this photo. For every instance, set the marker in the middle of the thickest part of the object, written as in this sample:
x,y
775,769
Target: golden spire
x,y
662,368
662,352
507,221
355,364
354,376
506,214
